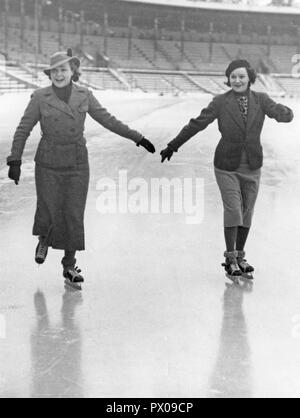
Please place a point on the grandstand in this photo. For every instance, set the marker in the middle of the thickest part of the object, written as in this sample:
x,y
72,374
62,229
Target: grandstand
x,y
177,46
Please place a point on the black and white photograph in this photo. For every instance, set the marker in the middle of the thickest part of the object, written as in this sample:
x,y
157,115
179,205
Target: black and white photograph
x,y
149,201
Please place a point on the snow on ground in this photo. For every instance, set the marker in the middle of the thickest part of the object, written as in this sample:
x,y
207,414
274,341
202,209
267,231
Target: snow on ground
x,y
155,317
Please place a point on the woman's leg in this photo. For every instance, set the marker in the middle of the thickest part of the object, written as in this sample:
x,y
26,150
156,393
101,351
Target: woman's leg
x,y
71,272
229,186
69,260
231,237
250,182
242,235
245,267
231,265
41,251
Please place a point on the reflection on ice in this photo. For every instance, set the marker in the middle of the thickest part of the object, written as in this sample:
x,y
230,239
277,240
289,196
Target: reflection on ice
x,y
56,351
231,377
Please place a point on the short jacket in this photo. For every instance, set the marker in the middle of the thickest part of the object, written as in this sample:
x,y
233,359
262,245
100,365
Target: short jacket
x,y
236,136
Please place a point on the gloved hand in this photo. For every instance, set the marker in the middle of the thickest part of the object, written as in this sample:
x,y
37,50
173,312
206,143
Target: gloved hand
x,y
167,153
14,171
147,145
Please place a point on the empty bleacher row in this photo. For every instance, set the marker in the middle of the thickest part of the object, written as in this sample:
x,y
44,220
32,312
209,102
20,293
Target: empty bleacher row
x,y
147,54
290,84
144,64
16,78
9,83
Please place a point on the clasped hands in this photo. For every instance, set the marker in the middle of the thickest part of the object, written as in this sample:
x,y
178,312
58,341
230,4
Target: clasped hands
x,y
166,154
14,171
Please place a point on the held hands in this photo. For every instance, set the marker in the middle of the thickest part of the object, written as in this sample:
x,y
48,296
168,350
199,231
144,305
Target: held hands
x,y
147,145
14,171
167,153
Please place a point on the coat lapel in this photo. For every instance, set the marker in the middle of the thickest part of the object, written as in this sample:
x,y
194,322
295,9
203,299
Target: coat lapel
x,y
253,109
52,100
233,109
78,96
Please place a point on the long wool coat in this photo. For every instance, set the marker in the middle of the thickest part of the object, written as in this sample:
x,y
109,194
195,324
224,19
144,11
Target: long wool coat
x,y
236,136
62,168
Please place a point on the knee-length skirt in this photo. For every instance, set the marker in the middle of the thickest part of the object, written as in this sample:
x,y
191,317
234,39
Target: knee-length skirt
x,y
61,201
239,190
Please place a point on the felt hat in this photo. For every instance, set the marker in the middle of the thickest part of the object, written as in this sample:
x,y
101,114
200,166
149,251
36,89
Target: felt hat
x,y
60,58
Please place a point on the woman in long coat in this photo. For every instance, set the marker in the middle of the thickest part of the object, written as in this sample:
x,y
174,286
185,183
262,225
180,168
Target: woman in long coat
x,y
62,168
239,155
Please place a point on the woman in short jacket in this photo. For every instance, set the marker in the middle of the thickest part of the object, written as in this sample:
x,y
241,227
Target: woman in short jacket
x,y
62,168
239,155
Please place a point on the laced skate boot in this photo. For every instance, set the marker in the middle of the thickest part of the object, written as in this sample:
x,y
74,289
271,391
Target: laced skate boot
x,y
41,251
245,267
73,277
231,266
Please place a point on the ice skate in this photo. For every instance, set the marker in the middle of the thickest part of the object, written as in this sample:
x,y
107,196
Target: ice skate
x,y
233,271
246,269
73,277
41,252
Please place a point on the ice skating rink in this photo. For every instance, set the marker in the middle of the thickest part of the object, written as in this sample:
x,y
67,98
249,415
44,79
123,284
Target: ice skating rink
x,y
156,317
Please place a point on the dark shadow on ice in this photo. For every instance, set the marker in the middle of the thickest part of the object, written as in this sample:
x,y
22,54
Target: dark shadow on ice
x,y
231,377
56,351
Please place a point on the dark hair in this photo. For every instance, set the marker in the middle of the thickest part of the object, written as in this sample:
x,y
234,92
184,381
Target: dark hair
x,y
76,73
75,70
251,74
241,64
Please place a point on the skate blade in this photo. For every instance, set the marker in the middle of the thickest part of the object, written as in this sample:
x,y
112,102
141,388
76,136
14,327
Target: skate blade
x,y
248,276
74,286
235,279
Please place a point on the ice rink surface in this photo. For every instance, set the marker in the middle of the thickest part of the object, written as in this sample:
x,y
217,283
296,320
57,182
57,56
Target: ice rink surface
x,y
156,317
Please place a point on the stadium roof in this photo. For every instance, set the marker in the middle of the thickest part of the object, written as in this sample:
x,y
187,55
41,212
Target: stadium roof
x,y
211,5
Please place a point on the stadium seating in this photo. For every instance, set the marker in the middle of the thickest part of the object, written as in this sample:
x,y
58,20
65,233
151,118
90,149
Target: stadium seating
x,y
149,82
103,80
282,58
290,85
209,83
162,65
8,84
143,54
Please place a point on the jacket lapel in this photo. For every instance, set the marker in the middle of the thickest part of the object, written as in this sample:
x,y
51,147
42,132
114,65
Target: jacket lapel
x,y
253,109
78,96
233,109
52,100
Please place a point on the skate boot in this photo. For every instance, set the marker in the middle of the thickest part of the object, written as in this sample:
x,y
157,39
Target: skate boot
x,y
233,271
246,269
41,251
73,277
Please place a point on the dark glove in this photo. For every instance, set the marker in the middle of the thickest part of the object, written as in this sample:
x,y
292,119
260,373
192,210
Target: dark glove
x,y
166,154
14,171
147,145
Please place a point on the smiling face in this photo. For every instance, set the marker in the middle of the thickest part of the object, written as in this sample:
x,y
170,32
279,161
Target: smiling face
x,y
61,76
239,80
